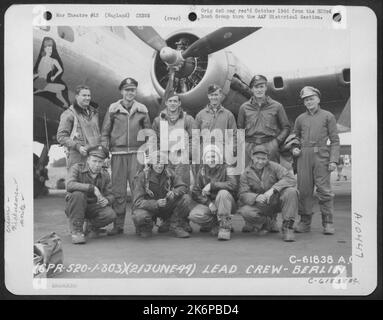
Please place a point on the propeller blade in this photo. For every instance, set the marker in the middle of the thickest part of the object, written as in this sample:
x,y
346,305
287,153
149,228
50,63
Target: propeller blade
x,y
217,40
169,87
149,36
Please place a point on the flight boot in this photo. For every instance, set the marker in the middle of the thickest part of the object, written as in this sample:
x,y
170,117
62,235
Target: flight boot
x,y
144,231
248,228
164,226
186,225
94,233
328,229
288,231
78,238
77,232
145,228
272,225
118,228
179,232
328,226
304,225
224,229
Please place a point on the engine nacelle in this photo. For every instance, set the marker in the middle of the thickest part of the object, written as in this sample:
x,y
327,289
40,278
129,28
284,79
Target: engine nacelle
x,y
220,68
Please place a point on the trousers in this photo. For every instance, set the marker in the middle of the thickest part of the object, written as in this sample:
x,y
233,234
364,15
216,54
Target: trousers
x,y
124,168
225,204
312,169
174,211
258,214
78,209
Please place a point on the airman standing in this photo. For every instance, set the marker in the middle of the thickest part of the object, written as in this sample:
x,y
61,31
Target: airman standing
x,y
316,160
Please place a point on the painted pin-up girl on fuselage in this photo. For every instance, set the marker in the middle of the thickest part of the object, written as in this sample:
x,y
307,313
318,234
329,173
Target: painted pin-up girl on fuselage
x,y
48,71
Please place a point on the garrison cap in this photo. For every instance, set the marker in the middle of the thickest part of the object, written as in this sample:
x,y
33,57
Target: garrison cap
x,y
257,79
260,149
99,152
213,88
172,93
309,91
128,83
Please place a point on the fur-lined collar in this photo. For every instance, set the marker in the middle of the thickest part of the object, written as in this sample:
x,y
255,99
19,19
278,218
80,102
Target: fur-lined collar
x,y
136,107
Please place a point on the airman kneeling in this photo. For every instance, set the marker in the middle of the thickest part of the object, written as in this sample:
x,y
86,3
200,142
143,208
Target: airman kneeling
x,y
213,191
89,196
159,193
266,188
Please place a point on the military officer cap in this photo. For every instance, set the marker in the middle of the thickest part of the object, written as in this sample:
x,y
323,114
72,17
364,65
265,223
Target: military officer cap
x,y
309,91
260,149
257,79
213,88
99,152
128,83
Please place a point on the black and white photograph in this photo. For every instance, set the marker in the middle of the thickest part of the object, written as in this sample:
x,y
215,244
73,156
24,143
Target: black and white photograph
x,y
196,153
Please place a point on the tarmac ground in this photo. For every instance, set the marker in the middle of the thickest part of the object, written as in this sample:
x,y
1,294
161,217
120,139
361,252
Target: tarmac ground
x,y
245,255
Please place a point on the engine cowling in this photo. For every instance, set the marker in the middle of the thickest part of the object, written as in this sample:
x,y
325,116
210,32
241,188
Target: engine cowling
x,y
191,82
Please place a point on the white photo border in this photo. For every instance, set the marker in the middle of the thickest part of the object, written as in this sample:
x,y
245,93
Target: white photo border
x,y
18,150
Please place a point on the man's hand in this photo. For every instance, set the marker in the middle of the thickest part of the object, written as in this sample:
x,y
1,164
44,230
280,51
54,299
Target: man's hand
x,y
161,203
331,166
296,152
261,199
170,195
268,194
212,207
83,151
206,190
103,202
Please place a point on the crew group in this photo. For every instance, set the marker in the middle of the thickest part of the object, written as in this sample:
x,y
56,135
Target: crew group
x,y
166,192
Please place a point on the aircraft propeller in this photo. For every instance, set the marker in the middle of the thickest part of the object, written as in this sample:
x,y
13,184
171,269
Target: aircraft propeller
x,y
176,60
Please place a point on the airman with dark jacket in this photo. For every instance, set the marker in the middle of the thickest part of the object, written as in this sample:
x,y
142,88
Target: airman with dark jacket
x,y
159,193
265,188
214,194
122,122
89,195
265,123
264,120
